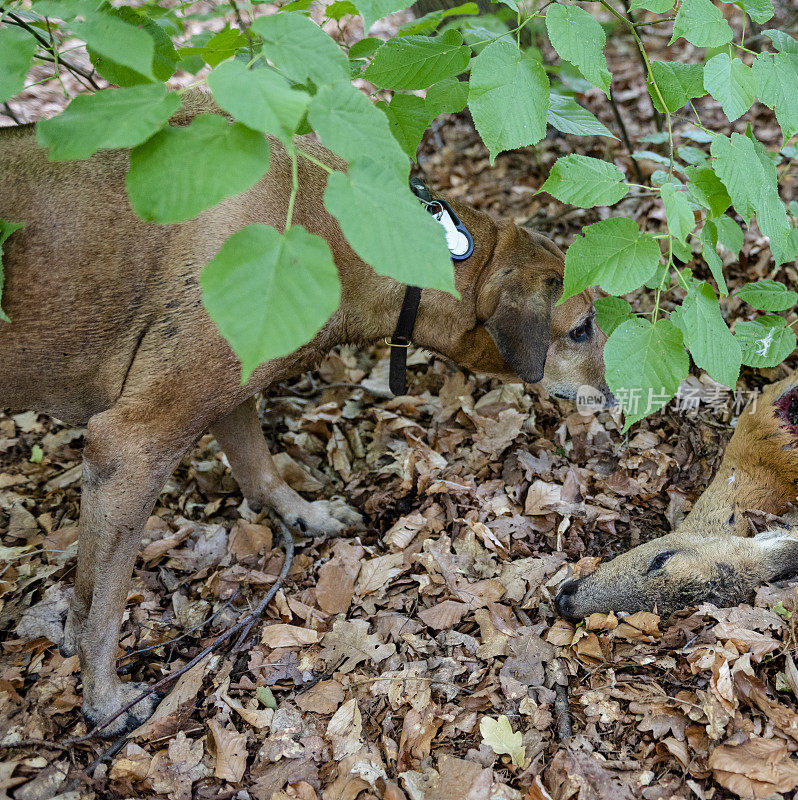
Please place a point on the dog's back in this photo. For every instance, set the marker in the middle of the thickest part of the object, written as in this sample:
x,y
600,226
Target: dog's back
x,y
76,277
85,278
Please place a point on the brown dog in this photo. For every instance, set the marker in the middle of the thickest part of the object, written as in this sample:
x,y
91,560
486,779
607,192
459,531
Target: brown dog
x,y
709,557
108,327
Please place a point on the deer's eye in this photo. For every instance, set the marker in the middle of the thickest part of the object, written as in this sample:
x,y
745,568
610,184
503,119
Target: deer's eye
x,y
582,332
659,561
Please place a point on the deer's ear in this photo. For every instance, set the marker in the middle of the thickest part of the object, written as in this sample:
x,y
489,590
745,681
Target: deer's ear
x,y
778,548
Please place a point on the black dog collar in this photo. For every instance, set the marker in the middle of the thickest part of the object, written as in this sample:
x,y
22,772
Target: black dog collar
x,y
461,246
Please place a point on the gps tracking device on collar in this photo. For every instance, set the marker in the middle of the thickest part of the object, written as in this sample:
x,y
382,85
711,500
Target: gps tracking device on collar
x,y
461,246
458,239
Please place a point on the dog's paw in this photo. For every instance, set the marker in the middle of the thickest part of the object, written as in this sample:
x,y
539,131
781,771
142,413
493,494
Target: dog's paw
x,y
98,711
325,518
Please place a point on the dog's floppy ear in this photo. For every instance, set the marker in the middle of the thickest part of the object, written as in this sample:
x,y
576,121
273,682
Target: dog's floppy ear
x,y
521,329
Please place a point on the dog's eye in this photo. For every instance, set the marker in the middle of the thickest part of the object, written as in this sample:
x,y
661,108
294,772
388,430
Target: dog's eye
x,y
659,560
582,332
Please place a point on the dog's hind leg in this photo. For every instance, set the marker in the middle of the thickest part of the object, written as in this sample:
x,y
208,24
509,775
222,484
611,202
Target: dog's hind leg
x,y
129,455
240,436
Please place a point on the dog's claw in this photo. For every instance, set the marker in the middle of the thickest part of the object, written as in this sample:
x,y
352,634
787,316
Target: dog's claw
x,y
325,518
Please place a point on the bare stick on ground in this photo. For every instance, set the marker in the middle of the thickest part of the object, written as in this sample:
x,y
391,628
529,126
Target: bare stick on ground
x,y
242,627
559,678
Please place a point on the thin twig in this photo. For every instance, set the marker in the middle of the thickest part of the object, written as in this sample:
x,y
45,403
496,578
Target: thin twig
x,y
19,22
35,743
642,58
9,112
562,713
106,755
625,135
183,635
243,27
244,625
247,622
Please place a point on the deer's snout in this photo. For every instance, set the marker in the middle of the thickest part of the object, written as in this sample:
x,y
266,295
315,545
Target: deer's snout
x,y
564,601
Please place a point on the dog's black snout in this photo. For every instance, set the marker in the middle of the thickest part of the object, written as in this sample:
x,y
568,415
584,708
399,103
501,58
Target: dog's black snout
x,y
563,602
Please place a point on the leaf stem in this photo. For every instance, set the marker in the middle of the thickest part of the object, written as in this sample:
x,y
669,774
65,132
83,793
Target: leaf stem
x,y
313,160
647,63
294,187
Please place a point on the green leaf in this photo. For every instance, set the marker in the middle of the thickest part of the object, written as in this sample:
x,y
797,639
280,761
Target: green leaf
x,y
681,220
398,238
765,342
702,24
446,97
407,119
339,9
499,736
681,251
768,295
612,254
223,45
750,179
657,158
16,51
706,188
300,49
182,171
260,98
508,97
364,49
656,6
265,696
107,34
709,243
776,79
782,41
731,83
372,10
349,124
585,182
730,234
164,60
707,336
645,364
250,291
36,454
678,84
611,312
430,22
658,137
296,5
691,155
760,11
218,48
566,115
415,62
577,37
698,136
105,120
6,229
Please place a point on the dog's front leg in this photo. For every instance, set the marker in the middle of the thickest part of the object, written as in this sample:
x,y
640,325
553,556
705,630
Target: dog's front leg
x,y
240,436
128,458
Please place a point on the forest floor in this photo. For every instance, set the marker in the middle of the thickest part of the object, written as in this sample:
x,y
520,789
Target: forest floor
x,y
378,660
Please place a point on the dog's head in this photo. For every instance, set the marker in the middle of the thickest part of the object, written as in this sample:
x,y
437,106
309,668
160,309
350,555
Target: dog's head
x,y
537,340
